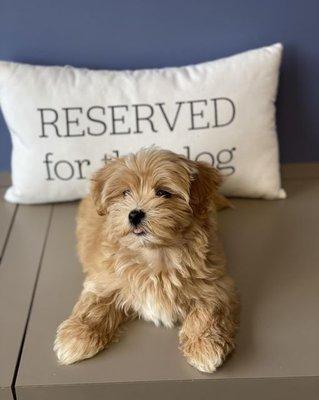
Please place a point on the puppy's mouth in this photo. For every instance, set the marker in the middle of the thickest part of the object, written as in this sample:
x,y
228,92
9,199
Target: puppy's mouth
x,y
139,231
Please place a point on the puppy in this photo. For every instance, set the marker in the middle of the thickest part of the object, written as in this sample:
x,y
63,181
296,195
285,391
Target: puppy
x,y
147,238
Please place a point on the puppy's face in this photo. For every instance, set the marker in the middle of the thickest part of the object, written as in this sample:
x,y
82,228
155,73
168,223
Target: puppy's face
x,y
150,198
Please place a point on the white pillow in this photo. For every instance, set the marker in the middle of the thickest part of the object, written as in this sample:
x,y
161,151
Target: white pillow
x,y
65,121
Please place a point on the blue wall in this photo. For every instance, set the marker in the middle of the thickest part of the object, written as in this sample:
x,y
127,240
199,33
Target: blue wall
x,y
155,33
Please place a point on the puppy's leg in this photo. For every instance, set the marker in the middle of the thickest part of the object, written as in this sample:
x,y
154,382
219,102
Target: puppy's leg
x,y
208,332
90,328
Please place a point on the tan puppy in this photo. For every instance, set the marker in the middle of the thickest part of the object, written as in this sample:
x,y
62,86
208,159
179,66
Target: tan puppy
x,y
147,238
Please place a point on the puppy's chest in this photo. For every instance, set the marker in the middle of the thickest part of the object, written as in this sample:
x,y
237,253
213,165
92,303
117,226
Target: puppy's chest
x,y
153,304
155,296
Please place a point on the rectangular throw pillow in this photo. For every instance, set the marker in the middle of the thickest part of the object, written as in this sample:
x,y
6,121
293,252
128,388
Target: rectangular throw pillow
x,y
65,122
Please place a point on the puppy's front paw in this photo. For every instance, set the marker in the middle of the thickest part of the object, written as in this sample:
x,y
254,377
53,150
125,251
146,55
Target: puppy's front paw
x,y
204,354
76,341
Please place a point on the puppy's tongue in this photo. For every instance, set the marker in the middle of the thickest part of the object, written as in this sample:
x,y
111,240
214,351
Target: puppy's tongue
x,y
138,231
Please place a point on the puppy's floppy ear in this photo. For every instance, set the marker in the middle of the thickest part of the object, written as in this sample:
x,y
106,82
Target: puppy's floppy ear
x,y
99,182
97,186
204,196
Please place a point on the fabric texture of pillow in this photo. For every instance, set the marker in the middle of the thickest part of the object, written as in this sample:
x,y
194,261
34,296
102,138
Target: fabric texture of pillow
x,y
65,122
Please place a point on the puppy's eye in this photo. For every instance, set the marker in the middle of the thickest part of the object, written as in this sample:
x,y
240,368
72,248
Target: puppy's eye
x,y
163,193
126,192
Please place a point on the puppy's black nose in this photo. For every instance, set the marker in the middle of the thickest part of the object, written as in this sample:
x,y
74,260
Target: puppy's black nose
x,y
136,216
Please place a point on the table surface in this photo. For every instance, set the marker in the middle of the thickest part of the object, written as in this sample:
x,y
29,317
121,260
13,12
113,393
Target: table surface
x,y
272,250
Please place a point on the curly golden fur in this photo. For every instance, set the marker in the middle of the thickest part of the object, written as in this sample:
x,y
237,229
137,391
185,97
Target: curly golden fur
x,y
163,263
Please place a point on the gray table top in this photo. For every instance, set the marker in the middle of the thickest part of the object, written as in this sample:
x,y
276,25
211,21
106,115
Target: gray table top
x,y
272,249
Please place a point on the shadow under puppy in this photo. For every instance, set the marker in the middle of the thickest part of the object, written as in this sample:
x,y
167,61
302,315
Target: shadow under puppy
x,y
147,238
